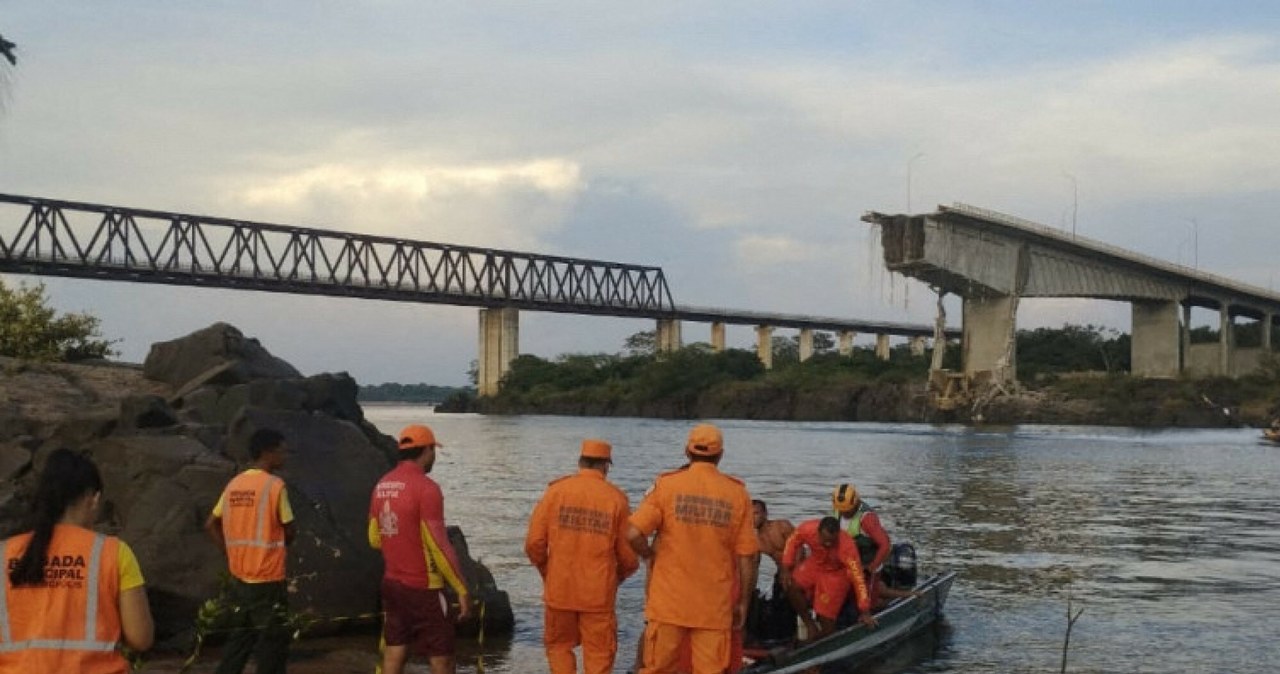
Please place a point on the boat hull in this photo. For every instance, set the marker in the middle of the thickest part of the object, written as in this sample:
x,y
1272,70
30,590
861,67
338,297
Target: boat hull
x,y
852,645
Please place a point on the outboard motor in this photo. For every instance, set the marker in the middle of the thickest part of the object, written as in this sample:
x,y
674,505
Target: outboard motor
x,y
899,571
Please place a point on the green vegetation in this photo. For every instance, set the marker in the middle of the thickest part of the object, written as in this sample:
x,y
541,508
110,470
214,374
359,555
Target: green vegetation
x,y
409,393
1044,353
696,381
1078,374
31,330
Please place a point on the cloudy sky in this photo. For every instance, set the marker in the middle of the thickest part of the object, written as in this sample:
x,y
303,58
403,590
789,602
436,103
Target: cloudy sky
x,y
735,144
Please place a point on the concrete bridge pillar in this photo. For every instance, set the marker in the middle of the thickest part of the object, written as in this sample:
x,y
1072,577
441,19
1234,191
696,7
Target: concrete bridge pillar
x,y
846,342
917,346
1155,344
499,345
1267,320
1186,337
1226,340
988,345
882,347
717,336
667,338
764,345
806,344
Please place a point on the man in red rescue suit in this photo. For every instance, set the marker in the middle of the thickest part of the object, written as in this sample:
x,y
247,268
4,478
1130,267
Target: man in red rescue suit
x,y
577,539
406,522
254,522
823,579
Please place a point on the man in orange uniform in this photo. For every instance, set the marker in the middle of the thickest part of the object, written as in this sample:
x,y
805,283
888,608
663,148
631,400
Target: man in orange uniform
x,y
823,579
577,539
406,522
254,522
703,521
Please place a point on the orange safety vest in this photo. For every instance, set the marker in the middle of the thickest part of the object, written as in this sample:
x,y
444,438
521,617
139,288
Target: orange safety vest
x,y
71,622
252,528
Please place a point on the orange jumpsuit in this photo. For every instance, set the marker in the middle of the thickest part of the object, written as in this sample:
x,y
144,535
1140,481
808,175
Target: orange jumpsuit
x,y
827,573
577,539
703,518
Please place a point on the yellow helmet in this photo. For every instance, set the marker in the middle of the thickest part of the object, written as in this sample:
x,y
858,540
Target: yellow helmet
x,y
844,498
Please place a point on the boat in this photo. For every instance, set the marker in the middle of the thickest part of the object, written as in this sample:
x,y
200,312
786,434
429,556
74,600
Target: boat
x,y
853,645
1271,435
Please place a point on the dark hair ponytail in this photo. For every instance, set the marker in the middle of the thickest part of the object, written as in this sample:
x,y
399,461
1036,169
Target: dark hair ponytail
x,y
67,476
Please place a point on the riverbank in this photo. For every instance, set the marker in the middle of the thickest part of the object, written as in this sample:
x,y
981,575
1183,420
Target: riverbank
x,y
1087,401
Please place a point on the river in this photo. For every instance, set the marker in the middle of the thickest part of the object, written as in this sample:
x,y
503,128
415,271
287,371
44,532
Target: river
x,y
1169,540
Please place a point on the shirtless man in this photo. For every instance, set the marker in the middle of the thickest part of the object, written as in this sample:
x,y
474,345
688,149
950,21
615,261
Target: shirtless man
x,y
773,534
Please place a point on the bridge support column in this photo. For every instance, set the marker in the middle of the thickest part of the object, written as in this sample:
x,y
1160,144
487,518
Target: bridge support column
x,y
989,324
1154,348
764,345
499,345
1226,340
846,342
717,336
917,346
1267,320
806,344
1186,337
882,346
667,338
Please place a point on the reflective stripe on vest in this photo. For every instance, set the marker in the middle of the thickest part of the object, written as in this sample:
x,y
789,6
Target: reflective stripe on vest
x,y
260,539
88,643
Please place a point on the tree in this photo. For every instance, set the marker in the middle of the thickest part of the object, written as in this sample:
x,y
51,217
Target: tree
x,y
6,51
641,344
30,329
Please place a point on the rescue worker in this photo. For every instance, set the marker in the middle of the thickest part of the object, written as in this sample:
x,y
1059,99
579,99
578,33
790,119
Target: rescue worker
x,y
862,524
823,579
703,521
406,522
577,539
63,579
253,522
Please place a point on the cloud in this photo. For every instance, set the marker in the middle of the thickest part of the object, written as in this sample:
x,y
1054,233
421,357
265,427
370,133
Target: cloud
x,y
755,250
505,205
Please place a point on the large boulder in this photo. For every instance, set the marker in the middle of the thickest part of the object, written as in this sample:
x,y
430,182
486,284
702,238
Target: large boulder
x,y
168,443
220,349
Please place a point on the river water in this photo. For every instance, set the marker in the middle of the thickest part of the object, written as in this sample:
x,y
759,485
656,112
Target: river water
x,y
1169,540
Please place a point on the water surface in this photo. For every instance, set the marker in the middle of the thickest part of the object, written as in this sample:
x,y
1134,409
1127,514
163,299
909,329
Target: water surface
x,y
1170,540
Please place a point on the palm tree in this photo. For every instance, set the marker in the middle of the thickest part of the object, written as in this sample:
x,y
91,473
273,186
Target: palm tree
x,y
6,50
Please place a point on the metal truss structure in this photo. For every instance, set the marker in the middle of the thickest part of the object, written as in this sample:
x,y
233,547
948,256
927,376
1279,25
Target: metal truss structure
x,y
82,240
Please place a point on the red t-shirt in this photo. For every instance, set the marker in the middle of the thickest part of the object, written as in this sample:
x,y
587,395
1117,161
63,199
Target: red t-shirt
x,y
406,521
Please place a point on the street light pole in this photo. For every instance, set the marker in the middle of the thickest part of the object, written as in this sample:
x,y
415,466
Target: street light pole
x,y
1195,244
1075,201
909,163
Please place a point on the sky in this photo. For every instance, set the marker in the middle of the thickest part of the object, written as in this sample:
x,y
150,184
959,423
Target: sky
x,y
734,144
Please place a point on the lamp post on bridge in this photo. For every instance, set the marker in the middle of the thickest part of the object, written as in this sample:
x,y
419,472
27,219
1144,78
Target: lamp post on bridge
x,y
1195,244
909,164
1075,201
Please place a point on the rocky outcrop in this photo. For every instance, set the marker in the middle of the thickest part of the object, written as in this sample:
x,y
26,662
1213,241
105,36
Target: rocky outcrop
x,y
219,348
168,437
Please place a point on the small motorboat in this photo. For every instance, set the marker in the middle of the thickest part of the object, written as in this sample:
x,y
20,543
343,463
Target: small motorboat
x,y
896,623
1271,435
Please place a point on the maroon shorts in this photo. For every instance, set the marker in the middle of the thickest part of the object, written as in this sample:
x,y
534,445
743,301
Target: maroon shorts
x,y
417,618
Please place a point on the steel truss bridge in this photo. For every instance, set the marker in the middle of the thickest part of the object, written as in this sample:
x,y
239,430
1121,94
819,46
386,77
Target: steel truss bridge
x,y
96,241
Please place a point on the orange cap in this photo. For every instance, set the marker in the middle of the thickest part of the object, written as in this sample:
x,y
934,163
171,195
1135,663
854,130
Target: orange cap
x,y
597,449
705,440
416,435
